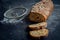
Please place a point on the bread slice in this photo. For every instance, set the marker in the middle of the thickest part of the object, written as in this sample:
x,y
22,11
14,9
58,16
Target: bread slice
x,y
37,26
39,33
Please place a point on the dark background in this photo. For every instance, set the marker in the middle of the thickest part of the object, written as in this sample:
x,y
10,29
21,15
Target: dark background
x,y
4,4
11,32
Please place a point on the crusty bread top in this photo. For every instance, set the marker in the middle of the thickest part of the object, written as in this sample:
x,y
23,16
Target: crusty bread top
x,y
43,7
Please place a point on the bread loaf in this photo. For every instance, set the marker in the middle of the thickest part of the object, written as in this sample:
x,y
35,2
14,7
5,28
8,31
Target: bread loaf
x,y
41,11
37,26
39,33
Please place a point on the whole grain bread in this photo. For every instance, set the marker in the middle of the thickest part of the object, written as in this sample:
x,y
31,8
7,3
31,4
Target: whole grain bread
x,y
39,33
38,26
41,11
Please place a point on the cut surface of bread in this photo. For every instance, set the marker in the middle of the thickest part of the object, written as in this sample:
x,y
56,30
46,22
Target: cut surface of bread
x,y
36,17
39,33
41,25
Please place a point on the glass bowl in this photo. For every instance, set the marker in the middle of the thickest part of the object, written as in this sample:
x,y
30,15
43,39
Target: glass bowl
x,y
16,12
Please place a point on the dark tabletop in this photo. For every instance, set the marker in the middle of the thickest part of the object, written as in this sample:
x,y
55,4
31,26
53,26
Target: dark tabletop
x,y
18,31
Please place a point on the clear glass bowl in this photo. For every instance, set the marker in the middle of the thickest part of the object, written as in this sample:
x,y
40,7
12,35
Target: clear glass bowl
x,y
16,12
15,15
